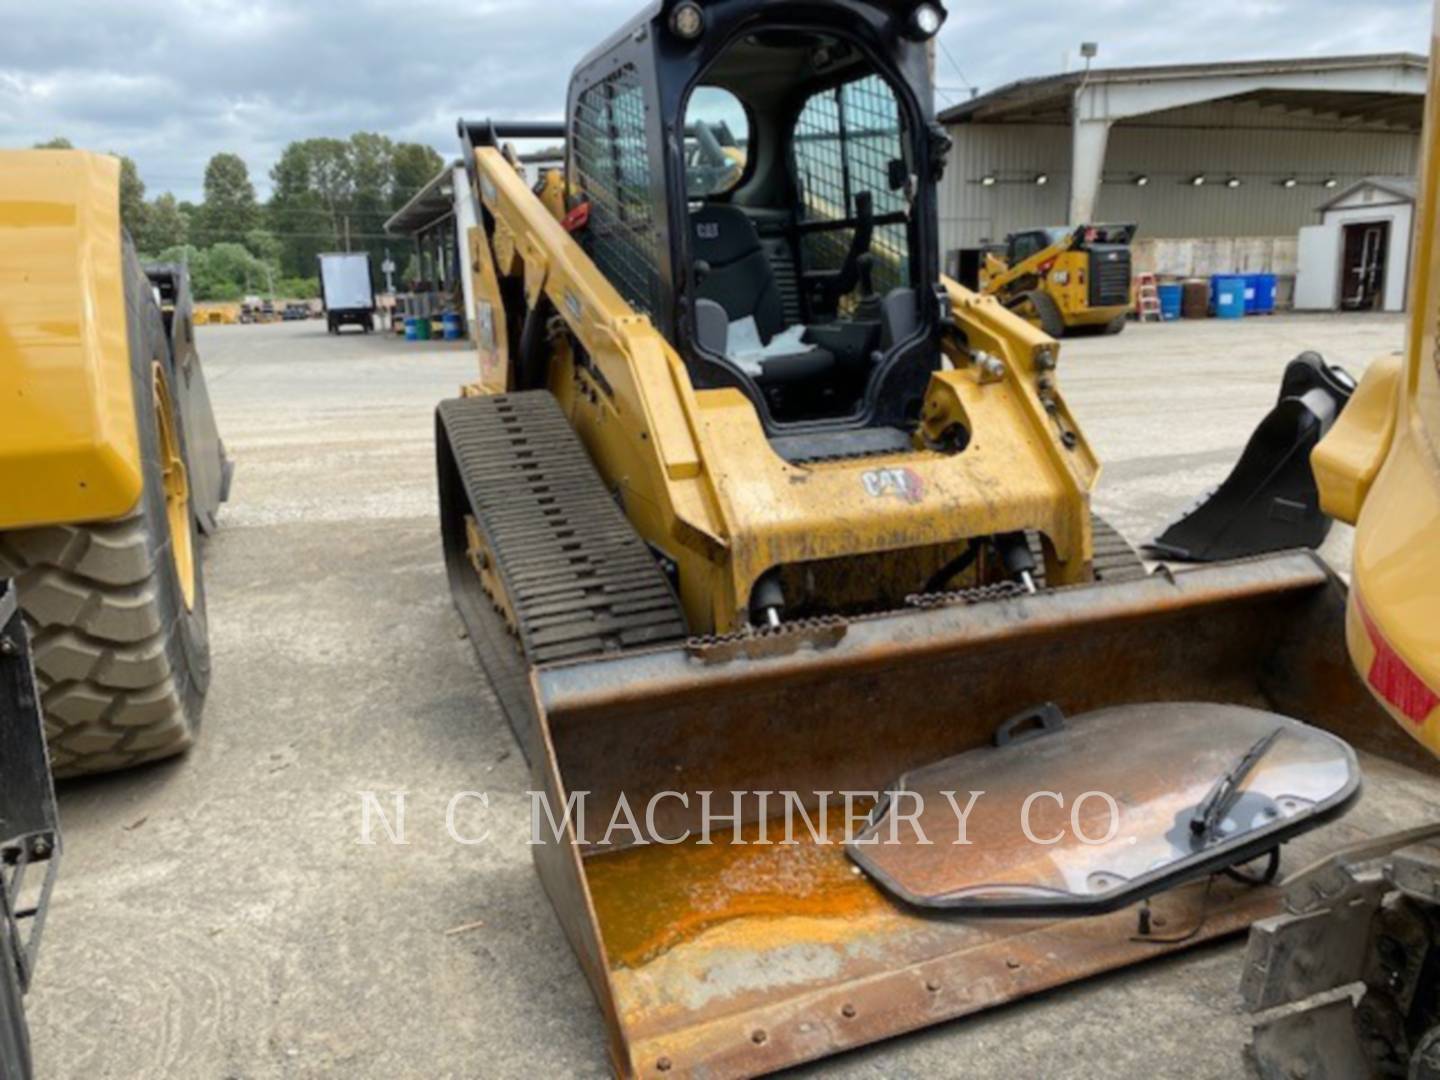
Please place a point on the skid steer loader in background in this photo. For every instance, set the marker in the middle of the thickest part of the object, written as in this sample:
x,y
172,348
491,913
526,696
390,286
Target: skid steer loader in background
x,y
111,468
1064,280
1359,944
750,508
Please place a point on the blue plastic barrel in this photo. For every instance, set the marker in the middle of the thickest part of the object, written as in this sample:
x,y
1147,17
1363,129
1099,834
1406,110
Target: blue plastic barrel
x,y
1171,297
1227,295
450,324
412,328
1260,294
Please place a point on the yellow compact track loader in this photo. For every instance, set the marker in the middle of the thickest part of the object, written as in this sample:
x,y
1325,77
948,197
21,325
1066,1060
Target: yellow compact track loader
x,y
1064,280
756,519
111,468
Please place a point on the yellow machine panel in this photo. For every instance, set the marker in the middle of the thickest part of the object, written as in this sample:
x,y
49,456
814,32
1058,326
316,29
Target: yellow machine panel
x,y
1380,469
69,451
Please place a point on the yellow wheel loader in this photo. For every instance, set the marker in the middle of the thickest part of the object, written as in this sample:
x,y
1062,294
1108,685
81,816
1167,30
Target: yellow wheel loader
x,y
1359,945
111,468
1064,280
775,544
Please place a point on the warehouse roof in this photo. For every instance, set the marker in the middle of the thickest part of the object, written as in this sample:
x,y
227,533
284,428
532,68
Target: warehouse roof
x,y
432,203
1392,94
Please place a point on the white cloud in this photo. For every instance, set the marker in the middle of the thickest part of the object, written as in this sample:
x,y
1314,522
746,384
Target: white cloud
x,y
171,82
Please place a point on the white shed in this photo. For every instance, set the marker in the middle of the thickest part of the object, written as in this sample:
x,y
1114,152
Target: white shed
x,y
1358,257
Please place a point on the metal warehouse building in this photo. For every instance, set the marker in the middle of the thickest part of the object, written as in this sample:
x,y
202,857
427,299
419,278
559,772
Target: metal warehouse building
x,y
1221,165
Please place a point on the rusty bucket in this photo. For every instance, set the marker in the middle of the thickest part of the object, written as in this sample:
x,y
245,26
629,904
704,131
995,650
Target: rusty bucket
x,y
734,953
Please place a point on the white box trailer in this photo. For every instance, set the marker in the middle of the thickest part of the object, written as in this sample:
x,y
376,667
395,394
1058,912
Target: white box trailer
x,y
347,289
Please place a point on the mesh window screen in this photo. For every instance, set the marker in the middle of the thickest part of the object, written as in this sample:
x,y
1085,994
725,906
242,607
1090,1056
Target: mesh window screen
x,y
612,167
844,142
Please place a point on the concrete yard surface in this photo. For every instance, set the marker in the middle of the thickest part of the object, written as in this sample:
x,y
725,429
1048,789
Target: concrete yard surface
x,y
218,916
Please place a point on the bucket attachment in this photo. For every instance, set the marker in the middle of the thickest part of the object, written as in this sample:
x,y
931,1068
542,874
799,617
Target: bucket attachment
x,y
701,795
1270,501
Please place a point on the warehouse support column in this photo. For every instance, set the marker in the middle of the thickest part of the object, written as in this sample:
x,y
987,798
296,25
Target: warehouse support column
x,y
465,221
1090,139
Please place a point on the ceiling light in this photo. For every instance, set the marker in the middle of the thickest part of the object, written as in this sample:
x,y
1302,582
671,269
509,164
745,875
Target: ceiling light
x,y
1233,182
1331,182
1289,182
1042,179
687,20
925,22
1141,180
988,181
1198,180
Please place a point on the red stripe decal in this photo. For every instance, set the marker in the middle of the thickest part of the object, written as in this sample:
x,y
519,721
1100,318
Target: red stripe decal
x,y
1394,681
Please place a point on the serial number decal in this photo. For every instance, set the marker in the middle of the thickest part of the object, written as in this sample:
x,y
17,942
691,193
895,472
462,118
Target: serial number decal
x,y
905,484
486,328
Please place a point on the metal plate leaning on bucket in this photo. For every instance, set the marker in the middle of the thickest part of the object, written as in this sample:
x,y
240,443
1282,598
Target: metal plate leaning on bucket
x,y
1089,815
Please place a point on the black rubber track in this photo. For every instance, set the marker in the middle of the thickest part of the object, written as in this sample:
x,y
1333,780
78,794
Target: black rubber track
x,y
1115,558
580,580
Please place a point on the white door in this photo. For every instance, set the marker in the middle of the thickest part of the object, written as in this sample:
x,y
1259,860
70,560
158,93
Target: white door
x,y
1318,275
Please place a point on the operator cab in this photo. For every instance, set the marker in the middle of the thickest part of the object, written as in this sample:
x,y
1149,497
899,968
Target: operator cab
x,y
1023,245
800,239
800,261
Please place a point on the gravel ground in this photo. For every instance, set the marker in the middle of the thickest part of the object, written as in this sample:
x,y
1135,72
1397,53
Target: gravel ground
x,y
217,916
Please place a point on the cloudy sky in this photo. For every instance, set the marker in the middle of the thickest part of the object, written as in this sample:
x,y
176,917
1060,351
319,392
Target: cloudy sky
x,y
170,82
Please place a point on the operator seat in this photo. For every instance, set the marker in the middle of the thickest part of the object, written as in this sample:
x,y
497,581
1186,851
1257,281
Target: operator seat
x,y
735,284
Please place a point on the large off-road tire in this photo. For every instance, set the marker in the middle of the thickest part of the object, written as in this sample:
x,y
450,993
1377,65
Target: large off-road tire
x,y
1117,325
116,610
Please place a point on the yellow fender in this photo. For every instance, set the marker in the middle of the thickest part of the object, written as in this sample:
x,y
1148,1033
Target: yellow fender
x,y
1347,461
69,450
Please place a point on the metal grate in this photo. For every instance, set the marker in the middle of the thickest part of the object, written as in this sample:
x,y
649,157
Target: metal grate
x,y
1109,276
845,140
612,167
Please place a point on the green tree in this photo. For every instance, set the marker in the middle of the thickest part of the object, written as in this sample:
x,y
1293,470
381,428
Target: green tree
x,y
336,194
230,211
265,246
221,271
415,166
132,197
298,288
165,225
57,143
309,188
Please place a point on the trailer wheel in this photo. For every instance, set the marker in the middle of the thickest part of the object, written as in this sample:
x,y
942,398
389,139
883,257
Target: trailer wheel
x,y
116,609
1046,313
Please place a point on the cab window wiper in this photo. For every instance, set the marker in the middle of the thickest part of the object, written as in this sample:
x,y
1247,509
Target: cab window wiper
x,y
1226,792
